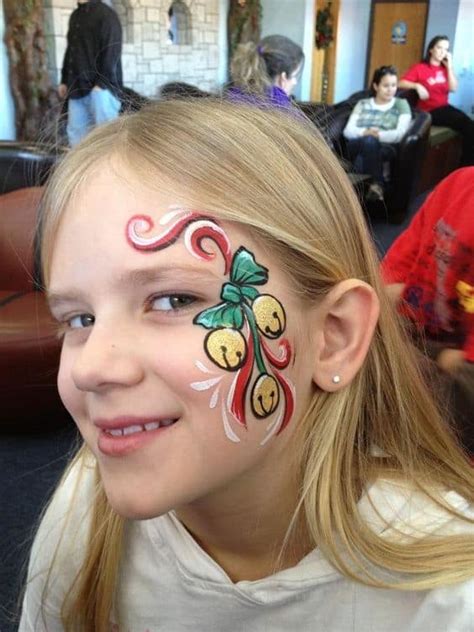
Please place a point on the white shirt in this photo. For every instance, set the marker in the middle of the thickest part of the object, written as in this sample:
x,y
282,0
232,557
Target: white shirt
x,y
169,584
369,111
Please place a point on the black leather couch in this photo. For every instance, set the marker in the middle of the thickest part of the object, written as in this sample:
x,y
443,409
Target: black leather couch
x,y
406,168
25,164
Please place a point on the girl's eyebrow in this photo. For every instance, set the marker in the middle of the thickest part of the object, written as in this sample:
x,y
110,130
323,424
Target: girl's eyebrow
x,y
141,277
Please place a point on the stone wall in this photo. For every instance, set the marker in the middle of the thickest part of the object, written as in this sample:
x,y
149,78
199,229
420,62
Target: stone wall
x,y
149,60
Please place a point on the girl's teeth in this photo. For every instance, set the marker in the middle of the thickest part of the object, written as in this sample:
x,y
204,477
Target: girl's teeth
x,y
166,422
132,429
153,425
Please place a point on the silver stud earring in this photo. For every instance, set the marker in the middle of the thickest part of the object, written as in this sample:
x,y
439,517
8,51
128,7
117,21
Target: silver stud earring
x,y
336,379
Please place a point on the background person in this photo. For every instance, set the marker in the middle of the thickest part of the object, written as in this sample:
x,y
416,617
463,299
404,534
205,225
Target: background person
x,y
375,126
258,443
91,76
429,271
433,78
268,71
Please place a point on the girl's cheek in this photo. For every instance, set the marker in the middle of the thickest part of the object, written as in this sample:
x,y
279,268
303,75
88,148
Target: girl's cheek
x,y
69,394
179,360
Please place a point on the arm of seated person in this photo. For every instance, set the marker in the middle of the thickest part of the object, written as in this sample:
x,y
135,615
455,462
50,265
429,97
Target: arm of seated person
x,y
394,291
450,360
413,85
351,129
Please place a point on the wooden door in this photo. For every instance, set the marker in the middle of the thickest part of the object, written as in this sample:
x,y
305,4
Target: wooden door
x,y
324,60
397,34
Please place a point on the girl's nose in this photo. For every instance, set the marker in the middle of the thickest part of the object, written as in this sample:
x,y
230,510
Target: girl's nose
x,y
107,359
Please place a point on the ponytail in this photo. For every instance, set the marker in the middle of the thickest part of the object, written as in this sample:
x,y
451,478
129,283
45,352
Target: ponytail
x,y
254,67
248,69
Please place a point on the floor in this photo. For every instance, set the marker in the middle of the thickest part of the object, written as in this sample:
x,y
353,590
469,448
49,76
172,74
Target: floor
x,y
31,466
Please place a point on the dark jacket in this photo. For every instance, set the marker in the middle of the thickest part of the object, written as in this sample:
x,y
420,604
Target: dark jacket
x,y
94,47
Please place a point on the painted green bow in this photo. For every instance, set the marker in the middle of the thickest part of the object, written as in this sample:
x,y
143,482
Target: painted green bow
x,y
237,294
227,347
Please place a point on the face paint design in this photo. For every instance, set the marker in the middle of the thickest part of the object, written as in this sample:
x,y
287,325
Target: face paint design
x,y
196,228
235,343
237,326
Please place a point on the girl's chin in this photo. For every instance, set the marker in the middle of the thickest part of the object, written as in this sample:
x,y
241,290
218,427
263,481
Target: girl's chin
x,y
132,508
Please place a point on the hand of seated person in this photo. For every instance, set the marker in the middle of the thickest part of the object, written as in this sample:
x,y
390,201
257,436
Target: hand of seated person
x,y
450,359
448,60
394,291
422,92
371,131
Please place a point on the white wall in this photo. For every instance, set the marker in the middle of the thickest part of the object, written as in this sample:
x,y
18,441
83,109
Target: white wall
x,y
7,112
352,42
442,18
463,57
223,67
293,18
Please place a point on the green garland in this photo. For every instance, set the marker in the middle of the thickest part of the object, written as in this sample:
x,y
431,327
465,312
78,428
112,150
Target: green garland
x,y
241,12
324,34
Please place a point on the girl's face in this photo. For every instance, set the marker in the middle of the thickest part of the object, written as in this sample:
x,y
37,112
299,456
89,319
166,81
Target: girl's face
x,y
439,50
184,360
289,82
386,89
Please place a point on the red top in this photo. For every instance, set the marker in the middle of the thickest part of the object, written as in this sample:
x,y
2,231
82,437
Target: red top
x,y
434,258
435,80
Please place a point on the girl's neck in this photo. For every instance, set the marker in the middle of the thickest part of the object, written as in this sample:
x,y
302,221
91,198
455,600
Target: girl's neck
x,y
434,62
245,532
379,101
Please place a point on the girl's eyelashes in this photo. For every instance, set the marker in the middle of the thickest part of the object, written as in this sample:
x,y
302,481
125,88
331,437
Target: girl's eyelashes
x,y
73,323
164,303
171,302
80,321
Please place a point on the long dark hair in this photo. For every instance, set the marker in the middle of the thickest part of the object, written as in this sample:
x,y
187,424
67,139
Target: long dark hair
x,y
432,43
379,74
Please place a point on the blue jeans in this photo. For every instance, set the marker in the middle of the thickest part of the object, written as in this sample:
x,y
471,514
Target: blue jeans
x,y
368,154
99,106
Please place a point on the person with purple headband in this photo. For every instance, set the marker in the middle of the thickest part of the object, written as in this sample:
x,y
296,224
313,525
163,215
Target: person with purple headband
x,y
266,72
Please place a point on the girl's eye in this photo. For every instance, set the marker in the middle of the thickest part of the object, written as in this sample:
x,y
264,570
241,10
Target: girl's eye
x,y
171,302
81,321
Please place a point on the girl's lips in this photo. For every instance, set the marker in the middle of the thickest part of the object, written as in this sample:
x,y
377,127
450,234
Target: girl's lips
x,y
122,439
126,421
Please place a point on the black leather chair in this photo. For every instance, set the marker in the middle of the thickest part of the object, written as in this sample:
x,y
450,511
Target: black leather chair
x,y
25,164
405,168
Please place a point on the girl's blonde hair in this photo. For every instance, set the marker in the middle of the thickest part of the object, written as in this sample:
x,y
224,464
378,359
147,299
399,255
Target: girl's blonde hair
x,y
254,67
277,177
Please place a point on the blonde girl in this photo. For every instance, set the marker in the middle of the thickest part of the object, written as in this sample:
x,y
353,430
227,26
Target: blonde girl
x,y
260,450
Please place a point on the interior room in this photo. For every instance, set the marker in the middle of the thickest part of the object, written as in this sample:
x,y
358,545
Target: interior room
x,y
184,49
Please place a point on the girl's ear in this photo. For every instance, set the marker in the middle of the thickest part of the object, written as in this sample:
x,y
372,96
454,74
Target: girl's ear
x,y
345,326
280,79
374,87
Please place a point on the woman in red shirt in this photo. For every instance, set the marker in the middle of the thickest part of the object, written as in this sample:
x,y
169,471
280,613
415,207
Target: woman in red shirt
x,y
433,78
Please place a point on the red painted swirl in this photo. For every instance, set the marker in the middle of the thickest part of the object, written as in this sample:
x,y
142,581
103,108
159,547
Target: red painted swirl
x,y
289,400
237,407
165,239
196,228
281,361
